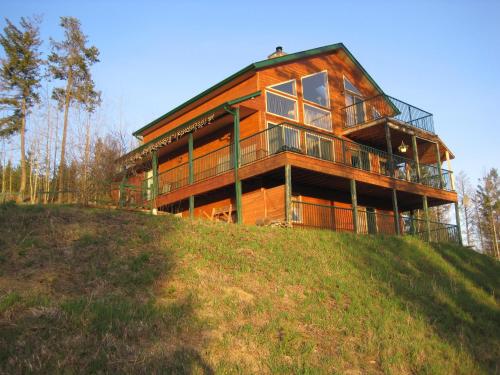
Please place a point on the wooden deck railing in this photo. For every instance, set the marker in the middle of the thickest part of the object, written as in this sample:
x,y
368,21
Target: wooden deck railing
x,y
340,219
380,106
294,138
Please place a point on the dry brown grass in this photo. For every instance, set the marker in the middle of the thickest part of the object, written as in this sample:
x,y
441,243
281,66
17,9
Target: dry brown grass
x,y
95,291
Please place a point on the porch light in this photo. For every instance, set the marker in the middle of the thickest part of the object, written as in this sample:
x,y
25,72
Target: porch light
x,y
402,147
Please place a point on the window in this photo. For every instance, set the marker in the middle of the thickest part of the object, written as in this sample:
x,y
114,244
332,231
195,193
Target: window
x,y
281,105
283,138
360,159
348,86
319,147
296,209
317,117
285,87
315,89
355,109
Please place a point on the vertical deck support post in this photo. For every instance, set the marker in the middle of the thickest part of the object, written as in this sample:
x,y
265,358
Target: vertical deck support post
x,y
427,218
396,211
440,172
288,194
354,202
154,188
389,149
236,157
457,219
191,173
415,155
448,165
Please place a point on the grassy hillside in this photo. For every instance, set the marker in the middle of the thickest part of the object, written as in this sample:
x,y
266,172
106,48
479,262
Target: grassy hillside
x,y
95,291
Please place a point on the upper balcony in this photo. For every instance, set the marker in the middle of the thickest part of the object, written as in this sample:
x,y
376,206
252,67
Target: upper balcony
x,y
364,112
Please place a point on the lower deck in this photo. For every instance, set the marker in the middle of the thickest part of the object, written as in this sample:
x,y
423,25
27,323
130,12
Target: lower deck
x,y
317,200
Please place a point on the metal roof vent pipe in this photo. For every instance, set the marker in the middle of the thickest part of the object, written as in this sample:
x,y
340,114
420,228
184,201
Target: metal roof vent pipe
x,y
279,52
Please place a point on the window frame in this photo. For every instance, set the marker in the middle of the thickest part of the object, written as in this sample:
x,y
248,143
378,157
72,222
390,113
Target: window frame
x,y
358,94
321,109
282,135
289,97
271,87
327,85
306,133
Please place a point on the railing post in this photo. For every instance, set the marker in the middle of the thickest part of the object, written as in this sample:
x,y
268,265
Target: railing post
x,y
154,192
389,149
457,219
427,218
440,172
191,173
448,164
236,157
288,194
396,211
415,155
354,202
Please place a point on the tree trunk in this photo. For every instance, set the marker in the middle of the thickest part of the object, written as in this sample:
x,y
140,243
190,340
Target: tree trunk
x,y
22,186
494,234
4,169
86,163
46,183
63,142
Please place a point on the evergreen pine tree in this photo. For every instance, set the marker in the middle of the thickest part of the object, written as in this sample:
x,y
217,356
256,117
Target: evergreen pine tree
x,y
20,81
70,61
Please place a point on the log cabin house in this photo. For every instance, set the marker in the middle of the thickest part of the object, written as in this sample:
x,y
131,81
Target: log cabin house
x,y
308,139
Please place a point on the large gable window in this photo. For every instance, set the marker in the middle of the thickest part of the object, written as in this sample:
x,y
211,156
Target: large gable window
x,y
348,86
287,87
315,89
355,108
281,105
319,147
317,117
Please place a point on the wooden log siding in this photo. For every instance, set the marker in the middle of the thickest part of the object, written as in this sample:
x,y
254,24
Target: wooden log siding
x,y
260,203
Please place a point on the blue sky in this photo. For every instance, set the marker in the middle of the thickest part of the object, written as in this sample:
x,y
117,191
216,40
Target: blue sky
x,y
442,56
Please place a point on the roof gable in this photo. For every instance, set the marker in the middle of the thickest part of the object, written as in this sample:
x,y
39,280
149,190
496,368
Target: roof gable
x,y
252,68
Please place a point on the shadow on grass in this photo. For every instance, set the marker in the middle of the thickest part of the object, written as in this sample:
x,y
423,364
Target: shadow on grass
x,y
82,291
450,288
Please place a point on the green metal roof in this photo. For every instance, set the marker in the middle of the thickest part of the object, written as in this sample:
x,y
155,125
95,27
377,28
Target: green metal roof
x,y
260,65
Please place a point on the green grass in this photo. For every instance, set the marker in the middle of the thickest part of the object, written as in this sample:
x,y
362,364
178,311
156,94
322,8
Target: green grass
x,y
95,291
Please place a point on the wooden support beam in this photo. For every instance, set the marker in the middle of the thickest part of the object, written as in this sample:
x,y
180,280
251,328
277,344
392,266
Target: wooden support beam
x,y
427,218
396,211
415,155
288,193
191,173
389,149
236,157
459,228
354,202
440,172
